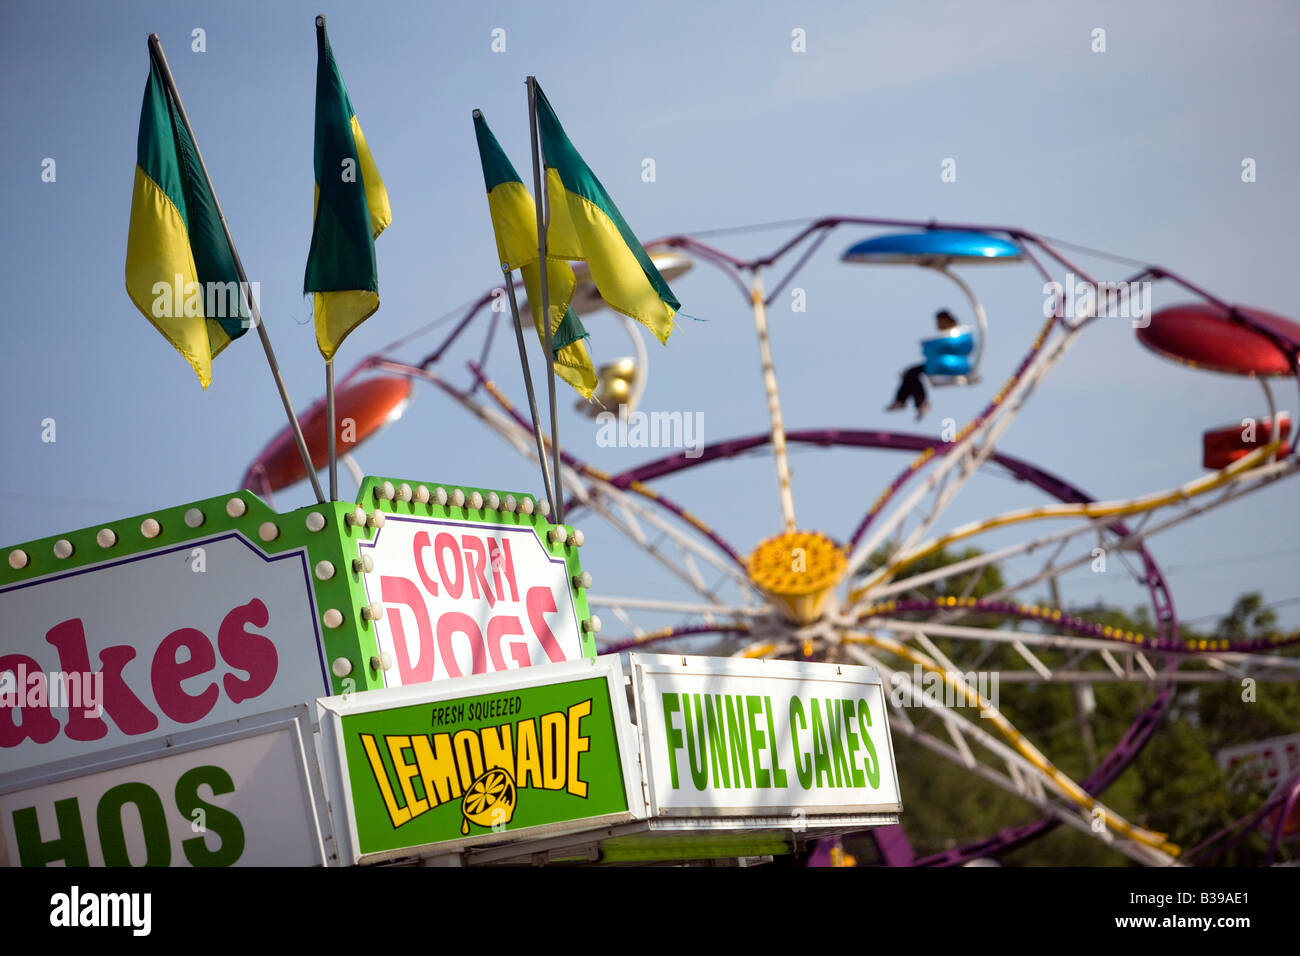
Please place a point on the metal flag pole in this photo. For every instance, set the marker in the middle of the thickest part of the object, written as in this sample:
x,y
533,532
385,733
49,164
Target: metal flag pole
x,y
543,219
329,417
156,54
528,384
332,439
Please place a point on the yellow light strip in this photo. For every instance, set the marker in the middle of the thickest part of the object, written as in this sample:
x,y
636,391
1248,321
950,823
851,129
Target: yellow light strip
x,y
1036,611
1051,614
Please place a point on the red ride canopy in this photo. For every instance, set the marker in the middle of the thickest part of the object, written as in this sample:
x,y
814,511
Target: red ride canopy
x,y
1206,336
360,410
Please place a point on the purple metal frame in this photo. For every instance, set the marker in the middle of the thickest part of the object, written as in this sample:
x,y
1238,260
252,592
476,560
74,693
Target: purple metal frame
x,y
903,441
1291,792
732,265
693,630
1284,799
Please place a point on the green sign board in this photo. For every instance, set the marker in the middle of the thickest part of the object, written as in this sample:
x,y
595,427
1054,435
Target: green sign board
x,y
481,759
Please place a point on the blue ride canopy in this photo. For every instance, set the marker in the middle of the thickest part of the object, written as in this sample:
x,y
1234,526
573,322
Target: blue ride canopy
x,y
948,356
935,247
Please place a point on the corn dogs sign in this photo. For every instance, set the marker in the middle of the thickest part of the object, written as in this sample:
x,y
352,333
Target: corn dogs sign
x,y
464,597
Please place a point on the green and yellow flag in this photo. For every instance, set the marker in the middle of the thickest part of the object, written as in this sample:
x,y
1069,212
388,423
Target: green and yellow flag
x,y
586,225
350,211
180,270
514,220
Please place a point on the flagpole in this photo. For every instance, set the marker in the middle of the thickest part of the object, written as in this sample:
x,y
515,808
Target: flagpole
x,y
156,54
332,440
329,416
543,217
528,384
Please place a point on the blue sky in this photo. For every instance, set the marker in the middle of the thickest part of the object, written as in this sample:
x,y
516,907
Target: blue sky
x,y
1136,151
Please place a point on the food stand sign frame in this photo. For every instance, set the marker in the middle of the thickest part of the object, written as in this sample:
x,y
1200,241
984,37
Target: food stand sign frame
x,y
196,798
471,581
166,622
485,759
825,763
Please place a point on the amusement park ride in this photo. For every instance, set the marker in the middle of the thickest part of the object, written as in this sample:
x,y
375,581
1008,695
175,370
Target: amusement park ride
x,y
418,676
846,596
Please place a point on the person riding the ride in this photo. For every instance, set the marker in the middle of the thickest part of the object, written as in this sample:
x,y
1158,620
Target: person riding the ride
x,y
912,384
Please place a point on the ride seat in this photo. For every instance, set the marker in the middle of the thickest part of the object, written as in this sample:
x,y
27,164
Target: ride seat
x,y
948,357
1221,446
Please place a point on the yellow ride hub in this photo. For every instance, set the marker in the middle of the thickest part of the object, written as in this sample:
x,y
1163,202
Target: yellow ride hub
x,y
797,570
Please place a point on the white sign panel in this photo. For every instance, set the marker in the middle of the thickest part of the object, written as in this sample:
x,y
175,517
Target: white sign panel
x,y
722,736
160,642
1267,762
247,800
465,598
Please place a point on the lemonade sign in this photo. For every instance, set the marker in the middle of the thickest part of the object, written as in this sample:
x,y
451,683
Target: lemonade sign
x,y
542,753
